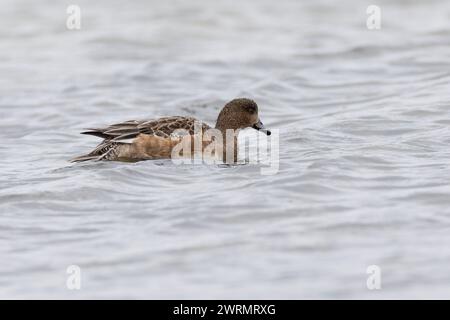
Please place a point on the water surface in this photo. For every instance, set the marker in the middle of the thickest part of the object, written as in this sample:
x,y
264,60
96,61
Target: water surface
x,y
364,159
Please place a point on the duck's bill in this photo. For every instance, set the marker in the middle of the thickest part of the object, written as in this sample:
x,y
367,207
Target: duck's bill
x,y
260,127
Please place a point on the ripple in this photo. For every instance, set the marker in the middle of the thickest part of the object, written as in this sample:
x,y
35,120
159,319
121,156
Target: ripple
x,y
363,173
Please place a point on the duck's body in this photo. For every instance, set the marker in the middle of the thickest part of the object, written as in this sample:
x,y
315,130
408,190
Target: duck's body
x,y
154,139
126,141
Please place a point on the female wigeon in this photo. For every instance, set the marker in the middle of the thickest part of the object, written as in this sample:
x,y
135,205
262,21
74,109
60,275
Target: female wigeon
x,y
153,139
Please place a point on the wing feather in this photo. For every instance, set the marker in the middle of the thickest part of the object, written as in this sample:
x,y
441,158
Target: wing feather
x,y
162,127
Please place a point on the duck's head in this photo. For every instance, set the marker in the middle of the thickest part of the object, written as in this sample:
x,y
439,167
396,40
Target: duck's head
x,y
239,114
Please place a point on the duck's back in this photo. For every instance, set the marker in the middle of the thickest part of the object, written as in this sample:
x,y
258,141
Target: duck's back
x,y
162,127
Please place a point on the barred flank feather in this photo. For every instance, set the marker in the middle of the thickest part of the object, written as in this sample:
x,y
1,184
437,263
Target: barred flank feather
x,y
104,151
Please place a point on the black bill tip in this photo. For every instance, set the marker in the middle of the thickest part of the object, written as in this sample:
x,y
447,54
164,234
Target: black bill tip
x,y
260,127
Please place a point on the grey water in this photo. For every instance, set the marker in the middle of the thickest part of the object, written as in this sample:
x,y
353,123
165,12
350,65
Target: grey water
x,y
364,158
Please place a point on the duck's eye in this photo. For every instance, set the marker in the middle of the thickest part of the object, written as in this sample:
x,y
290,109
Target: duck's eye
x,y
250,109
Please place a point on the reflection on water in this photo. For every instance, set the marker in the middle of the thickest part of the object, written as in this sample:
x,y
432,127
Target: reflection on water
x,y
364,158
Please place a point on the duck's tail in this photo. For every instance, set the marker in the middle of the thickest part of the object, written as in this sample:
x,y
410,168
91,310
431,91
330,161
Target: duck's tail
x,y
86,157
104,151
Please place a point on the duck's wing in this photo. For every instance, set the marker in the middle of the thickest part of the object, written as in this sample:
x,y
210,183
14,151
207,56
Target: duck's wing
x,y
162,127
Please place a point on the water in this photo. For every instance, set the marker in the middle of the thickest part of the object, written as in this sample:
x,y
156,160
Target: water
x,y
364,150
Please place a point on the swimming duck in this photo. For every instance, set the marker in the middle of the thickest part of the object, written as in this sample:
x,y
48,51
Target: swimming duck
x,y
135,140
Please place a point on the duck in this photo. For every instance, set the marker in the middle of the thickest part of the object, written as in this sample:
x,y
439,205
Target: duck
x,y
139,140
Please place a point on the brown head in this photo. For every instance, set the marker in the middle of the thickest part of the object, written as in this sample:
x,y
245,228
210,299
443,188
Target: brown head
x,y
239,114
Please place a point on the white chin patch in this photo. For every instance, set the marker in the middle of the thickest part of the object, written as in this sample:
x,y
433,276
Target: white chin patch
x,y
249,140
